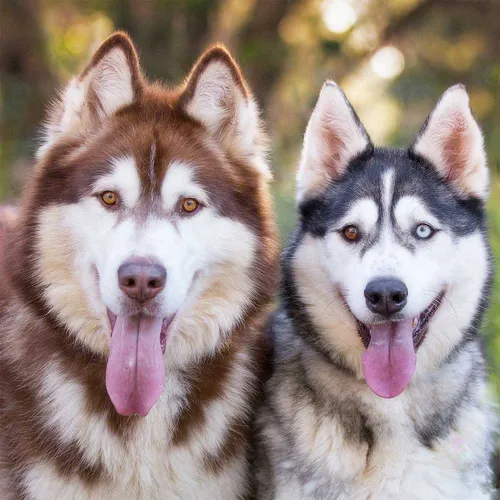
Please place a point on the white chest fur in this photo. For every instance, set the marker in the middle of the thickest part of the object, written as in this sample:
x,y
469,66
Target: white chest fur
x,y
329,457
145,465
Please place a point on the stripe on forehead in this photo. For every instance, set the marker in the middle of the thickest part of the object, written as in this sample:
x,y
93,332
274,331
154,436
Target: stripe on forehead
x,y
399,230
384,209
152,160
387,189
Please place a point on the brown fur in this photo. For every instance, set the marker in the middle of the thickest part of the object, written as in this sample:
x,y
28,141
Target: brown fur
x,y
31,334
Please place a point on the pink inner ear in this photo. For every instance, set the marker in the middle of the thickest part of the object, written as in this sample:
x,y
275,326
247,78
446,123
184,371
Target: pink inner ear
x,y
456,147
333,137
333,156
452,141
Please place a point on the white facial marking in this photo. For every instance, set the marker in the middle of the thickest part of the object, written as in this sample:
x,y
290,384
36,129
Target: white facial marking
x,y
364,213
387,192
410,211
388,257
179,183
124,179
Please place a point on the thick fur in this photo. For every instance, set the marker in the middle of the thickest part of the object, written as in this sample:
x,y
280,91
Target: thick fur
x,y
322,433
111,130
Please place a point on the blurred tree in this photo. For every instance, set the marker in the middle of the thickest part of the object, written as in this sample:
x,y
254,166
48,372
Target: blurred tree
x,y
27,83
260,47
173,33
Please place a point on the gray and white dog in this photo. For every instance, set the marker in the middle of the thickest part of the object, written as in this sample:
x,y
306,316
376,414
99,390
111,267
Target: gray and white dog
x,y
379,385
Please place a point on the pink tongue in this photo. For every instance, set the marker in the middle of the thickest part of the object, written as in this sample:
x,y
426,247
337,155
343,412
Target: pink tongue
x,y
390,360
136,369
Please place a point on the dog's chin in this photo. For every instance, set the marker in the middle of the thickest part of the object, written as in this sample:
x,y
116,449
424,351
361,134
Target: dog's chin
x,y
420,323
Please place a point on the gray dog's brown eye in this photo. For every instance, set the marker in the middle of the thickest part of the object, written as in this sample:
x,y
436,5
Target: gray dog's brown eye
x,y
351,233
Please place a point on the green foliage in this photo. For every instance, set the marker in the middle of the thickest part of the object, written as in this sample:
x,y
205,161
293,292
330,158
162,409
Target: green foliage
x,y
492,322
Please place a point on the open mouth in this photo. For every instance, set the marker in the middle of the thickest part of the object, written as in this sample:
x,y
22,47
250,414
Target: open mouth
x,y
135,372
419,324
166,322
390,358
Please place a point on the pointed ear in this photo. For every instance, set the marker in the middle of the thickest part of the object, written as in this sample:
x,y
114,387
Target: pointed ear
x,y
452,142
111,81
334,137
217,96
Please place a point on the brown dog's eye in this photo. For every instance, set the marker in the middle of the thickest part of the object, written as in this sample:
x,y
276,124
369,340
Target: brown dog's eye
x,y
109,198
351,233
189,205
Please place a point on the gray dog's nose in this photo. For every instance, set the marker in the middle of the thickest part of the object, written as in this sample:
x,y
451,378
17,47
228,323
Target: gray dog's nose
x,y
140,279
386,296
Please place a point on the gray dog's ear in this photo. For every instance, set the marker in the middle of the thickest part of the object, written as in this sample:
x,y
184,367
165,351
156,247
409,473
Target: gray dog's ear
x,y
334,136
452,142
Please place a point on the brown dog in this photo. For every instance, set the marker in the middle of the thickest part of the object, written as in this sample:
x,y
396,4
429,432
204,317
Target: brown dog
x,y
138,275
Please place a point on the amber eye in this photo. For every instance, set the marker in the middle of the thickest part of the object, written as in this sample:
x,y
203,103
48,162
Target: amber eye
x,y
189,205
109,197
351,233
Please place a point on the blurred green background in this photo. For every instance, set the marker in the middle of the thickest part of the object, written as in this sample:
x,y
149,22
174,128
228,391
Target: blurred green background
x,y
393,58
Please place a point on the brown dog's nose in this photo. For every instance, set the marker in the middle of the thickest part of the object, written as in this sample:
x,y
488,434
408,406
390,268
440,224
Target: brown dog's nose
x,y
141,279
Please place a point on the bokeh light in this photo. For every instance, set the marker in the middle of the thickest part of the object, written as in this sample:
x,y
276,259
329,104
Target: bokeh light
x,y
338,15
388,62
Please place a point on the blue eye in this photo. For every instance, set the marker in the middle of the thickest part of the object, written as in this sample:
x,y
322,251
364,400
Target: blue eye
x,y
424,231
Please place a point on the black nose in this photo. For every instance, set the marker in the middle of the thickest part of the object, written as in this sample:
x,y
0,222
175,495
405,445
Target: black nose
x,y
141,279
386,296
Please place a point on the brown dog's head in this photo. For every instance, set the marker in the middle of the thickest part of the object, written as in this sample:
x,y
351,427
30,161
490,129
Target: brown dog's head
x,y
148,231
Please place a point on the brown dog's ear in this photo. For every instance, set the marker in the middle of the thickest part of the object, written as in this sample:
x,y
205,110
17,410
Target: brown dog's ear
x,y
111,81
452,142
217,96
334,136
